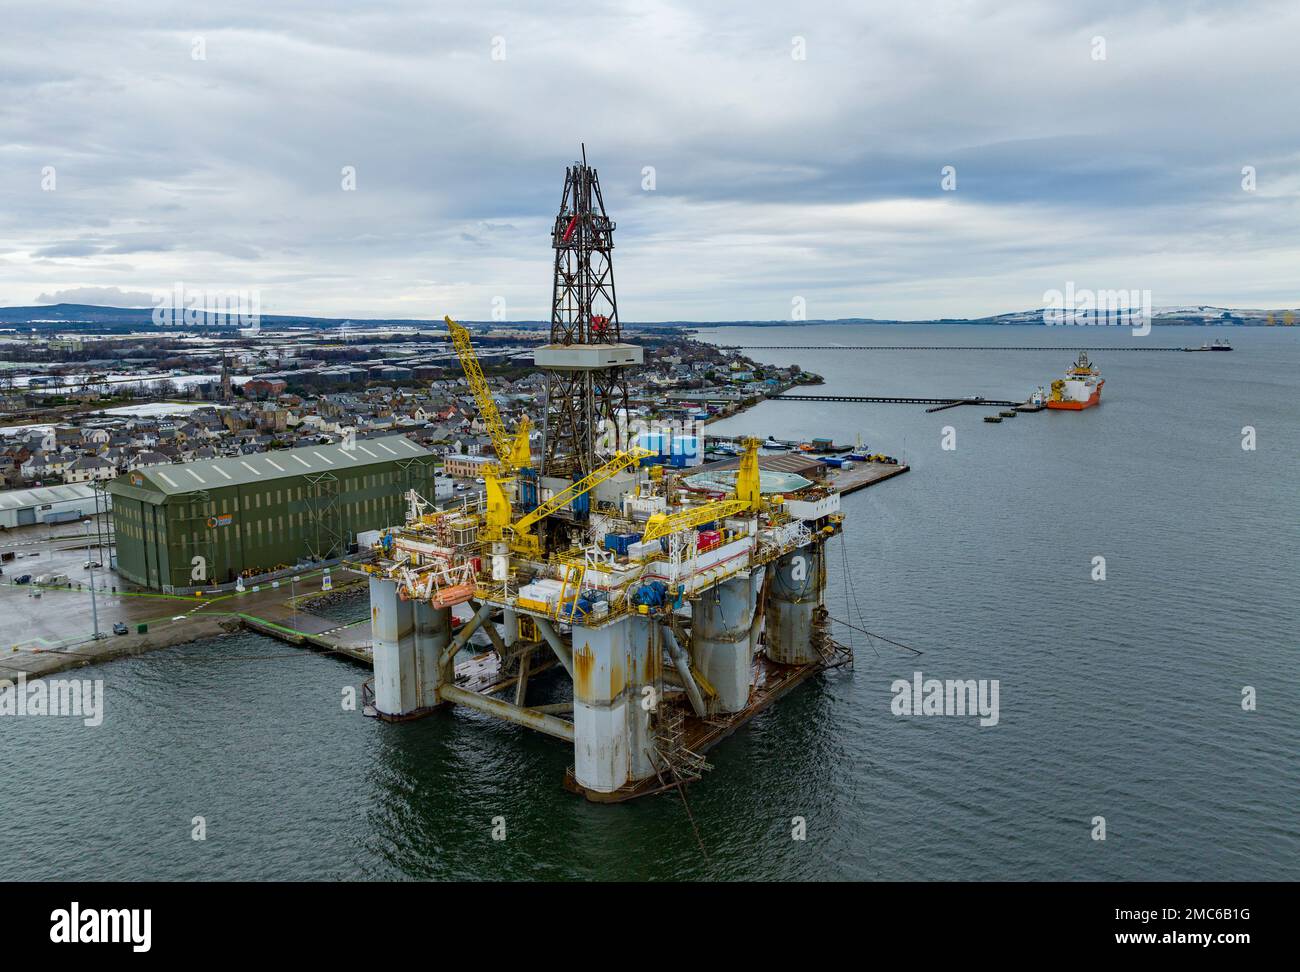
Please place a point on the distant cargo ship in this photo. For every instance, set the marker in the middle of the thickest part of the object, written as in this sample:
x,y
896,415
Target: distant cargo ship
x,y
1080,388
1220,344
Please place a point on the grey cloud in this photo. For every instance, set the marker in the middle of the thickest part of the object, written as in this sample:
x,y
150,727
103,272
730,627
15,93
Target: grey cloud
x,y
774,176
104,296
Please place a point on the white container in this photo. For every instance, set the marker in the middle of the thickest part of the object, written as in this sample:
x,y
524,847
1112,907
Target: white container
x,y
545,592
636,551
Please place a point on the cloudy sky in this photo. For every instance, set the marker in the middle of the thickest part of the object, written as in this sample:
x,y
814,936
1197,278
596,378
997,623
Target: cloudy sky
x,y
148,143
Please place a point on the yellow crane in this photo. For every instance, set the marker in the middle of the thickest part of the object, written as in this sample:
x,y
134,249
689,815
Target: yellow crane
x,y
747,483
662,524
748,499
498,519
512,453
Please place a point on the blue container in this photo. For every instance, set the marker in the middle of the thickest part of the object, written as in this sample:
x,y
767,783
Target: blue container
x,y
528,489
619,542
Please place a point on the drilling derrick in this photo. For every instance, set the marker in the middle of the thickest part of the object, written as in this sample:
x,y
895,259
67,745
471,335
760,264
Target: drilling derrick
x,y
586,359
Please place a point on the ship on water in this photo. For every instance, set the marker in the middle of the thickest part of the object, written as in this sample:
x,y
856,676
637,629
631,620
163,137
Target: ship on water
x,y
1080,388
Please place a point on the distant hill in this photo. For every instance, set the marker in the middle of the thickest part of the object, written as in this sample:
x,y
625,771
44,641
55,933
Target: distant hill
x,y
94,314
59,316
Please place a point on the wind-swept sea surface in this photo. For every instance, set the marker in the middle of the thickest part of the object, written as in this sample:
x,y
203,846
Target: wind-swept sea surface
x,y
1119,698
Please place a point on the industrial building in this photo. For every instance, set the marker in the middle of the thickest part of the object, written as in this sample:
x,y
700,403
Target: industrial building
x,y
49,504
459,465
249,515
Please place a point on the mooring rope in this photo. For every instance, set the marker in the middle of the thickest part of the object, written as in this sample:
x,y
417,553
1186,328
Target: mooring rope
x,y
896,644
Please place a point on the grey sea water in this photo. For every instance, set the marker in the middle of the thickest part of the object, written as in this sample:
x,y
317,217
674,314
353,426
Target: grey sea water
x,y
1118,698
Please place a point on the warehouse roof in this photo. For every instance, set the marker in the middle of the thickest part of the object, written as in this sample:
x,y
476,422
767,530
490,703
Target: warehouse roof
x,y
261,467
790,462
13,499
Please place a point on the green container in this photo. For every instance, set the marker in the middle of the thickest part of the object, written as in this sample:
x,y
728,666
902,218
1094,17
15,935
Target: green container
x,y
142,629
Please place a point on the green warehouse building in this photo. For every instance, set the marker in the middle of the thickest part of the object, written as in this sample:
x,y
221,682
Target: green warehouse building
x,y
252,514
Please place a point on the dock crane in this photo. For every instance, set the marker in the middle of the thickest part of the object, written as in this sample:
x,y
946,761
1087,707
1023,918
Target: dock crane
x,y
513,453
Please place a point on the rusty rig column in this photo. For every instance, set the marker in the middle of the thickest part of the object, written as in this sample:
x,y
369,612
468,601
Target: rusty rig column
x,y
408,638
792,600
644,669
600,705
720,639
392,624
432,635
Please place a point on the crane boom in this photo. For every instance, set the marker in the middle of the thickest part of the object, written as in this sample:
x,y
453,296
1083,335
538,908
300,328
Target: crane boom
x,y
662,524
564,497
502,444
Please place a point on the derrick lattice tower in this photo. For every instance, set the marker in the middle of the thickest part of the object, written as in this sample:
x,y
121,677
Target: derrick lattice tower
x,y
586,360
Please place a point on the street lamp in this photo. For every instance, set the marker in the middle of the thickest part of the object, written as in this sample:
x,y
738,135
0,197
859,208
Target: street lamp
x,y
90,559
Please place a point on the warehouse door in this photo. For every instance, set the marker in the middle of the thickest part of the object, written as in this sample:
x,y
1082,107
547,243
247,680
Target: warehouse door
x,y
27,516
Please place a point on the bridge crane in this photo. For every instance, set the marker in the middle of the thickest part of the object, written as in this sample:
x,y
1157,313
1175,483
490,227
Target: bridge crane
x,y
512,453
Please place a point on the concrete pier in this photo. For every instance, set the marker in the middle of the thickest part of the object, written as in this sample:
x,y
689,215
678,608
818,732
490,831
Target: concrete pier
x,y
792,598
721,639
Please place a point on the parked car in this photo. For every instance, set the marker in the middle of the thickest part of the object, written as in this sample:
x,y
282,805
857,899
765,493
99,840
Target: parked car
x,y
91,563
23,579
119,628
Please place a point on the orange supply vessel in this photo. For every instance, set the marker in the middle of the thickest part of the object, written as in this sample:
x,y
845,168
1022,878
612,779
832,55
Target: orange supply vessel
x,y
1080,388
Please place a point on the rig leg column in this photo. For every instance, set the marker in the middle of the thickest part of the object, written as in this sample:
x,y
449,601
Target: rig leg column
x,y
432,635
792,599
644,669
392,628
600,706
720,621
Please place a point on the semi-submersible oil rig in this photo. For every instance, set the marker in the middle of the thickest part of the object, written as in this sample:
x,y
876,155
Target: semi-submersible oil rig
x,y
678,613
